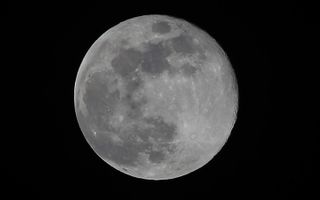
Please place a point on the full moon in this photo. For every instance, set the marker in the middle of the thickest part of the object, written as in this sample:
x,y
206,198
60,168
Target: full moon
x,y
156,97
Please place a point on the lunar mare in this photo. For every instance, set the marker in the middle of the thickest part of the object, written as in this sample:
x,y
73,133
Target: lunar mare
x,y
156,97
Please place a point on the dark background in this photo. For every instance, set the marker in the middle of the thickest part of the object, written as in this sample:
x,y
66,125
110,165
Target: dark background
x,y
266,154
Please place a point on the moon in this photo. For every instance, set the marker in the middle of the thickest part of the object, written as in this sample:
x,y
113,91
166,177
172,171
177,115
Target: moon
x,y
156,97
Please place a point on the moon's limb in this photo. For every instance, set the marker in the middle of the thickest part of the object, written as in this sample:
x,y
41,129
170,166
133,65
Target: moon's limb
x,y
202,105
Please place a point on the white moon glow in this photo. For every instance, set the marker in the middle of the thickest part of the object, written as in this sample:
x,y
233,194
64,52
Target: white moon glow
x,y
156,97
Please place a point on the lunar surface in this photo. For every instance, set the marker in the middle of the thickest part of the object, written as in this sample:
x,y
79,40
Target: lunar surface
x,y
156,97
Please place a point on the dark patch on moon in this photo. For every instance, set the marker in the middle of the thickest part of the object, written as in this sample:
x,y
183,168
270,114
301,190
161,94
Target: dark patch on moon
x,y
133,107
100,97
135,141
134,82
127,61
183,44
121,154
156,156
154,59
160,132
166,129
188,69
161,27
